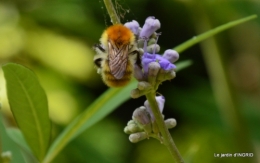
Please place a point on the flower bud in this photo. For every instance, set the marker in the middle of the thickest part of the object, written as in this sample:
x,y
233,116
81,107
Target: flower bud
x,y
171,75
143,85
141,51
160,101
138,73
136,137
140,43
170,123
127,131
165,75
150,26
152,41
142,117
135,93
154,48
132,128
133,26
171,55
131,122
154,68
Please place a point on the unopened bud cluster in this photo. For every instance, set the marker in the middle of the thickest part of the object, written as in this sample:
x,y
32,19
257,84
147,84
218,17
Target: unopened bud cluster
x,y
143,124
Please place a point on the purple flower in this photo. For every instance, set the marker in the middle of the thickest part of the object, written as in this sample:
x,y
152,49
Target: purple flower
x,y
133,26
165,64
160,101
150,26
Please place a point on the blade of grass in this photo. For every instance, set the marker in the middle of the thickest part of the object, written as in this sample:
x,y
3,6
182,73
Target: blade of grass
x,y
183,65
196,39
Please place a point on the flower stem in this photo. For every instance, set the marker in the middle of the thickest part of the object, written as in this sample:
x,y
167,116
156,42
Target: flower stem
x,y
167,139
112,12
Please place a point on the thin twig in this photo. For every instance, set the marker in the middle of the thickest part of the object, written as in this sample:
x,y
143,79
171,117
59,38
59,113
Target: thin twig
x,y
112,12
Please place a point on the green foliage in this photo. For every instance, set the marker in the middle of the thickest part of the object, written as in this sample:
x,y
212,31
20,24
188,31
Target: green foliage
x,y
7,144
29,106
17,137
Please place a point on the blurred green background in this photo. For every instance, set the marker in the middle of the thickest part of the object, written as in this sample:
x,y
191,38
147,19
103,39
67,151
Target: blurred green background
x,y
55,37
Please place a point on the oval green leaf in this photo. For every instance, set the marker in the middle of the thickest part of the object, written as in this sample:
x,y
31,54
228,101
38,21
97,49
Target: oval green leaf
x,y
29,106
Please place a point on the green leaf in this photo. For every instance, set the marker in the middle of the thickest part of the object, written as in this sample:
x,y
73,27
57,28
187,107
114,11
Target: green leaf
x,y
29,106
212,32
7,144
183,64
17,137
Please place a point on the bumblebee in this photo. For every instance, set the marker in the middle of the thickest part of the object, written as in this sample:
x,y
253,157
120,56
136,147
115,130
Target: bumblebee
x,y
116,55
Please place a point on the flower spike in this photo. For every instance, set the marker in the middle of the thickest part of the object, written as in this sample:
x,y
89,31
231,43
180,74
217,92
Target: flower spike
x,y
154,70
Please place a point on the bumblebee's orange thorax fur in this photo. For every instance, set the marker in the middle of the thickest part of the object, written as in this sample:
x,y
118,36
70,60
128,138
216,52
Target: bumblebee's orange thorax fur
x,y
117,34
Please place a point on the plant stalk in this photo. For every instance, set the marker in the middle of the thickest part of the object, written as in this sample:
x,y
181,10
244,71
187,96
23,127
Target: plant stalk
x,y
112,12
167,139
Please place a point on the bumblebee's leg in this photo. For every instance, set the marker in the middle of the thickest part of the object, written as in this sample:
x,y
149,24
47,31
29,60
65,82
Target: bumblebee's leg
x,y
138,58
98,48
97,62
99,57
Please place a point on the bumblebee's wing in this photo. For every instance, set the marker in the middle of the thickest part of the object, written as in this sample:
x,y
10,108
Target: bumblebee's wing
x,y
118,58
